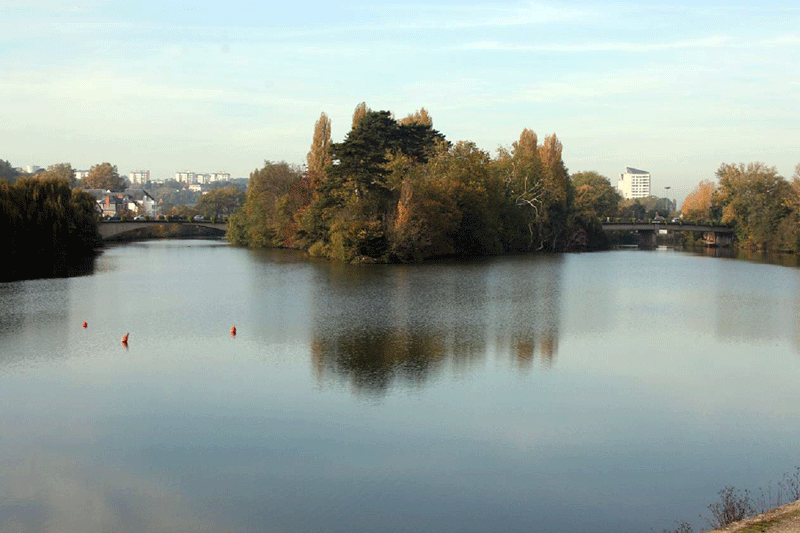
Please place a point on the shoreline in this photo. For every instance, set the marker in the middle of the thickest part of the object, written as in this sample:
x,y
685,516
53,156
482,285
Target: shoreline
x,y
783,519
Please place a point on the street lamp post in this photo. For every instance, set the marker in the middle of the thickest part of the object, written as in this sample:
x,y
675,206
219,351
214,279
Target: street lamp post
x,y
668,202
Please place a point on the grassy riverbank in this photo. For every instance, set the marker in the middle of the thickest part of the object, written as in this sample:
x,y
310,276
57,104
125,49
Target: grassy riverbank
x,y
784,519
737,512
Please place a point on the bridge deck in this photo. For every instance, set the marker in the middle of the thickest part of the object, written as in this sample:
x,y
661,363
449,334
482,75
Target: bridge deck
x,y
650,226
111,229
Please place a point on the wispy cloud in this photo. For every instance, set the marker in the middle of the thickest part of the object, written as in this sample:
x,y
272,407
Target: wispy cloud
x,y
791,39
455,17
714,41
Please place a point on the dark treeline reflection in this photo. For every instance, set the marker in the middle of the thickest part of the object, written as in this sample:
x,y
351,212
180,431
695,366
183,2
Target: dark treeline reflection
x,y
375,325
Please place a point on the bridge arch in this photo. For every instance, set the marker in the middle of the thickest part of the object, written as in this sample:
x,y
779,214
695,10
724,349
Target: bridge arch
x,y
111,230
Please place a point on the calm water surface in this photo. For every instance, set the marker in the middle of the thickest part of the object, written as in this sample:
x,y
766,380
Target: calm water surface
x,y
608,392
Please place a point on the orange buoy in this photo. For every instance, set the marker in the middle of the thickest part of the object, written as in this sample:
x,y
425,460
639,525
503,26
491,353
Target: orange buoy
x,y
85,325
233,331
125,339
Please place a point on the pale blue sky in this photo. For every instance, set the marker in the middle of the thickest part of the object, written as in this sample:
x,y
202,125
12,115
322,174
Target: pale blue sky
x,y
675,89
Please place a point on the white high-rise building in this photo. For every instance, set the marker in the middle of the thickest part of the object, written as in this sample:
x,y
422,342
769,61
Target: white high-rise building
x,y
204,179
139,177
634,183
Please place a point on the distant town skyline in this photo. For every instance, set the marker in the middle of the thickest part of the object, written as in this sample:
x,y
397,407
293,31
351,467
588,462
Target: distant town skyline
x,y
674,89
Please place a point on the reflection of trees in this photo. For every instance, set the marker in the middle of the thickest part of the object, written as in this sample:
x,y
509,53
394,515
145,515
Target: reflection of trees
x,y
528,298
377,325
372,361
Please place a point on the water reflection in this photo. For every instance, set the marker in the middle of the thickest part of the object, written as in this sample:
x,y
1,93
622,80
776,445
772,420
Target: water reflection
x,y
28,308
376,325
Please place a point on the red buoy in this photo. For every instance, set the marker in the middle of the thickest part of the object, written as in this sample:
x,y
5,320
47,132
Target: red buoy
x,y
85,325
125,339
233,331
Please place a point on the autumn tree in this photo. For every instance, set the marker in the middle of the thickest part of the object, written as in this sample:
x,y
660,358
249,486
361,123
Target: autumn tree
x,y
319,156
61,171
698,205
522,172
427,216
220,202
594,195
357,198
789,228
468,178
266,219
360,112
752,198
418,117
557,194
104,176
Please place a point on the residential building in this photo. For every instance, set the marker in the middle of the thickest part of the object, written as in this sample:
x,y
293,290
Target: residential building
x,y
634,183
198,178
140,198
139,177
111,203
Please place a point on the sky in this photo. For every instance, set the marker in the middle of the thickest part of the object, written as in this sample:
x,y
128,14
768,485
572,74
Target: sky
x,y
674,89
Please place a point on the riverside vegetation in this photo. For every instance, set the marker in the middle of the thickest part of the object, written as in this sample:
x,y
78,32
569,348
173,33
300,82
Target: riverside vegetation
x,y
48,228
735,505
761,205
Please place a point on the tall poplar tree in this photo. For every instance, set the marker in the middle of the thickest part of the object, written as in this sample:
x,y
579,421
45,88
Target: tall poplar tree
x,y
418,117
359,113
319,156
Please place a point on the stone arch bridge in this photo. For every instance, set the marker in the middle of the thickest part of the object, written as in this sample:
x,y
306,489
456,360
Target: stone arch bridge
x,y
113,229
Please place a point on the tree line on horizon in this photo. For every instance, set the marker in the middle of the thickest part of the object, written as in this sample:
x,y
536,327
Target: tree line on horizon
x,y
762,206
398,191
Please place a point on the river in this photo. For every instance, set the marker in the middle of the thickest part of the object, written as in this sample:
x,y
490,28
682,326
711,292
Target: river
x,y
604,392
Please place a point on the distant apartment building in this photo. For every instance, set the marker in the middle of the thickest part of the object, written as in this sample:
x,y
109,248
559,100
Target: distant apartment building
x,y
193,178
139,177
80,174
634,183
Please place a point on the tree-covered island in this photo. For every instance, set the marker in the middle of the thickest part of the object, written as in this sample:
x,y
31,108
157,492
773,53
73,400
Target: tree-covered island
x,y
398,191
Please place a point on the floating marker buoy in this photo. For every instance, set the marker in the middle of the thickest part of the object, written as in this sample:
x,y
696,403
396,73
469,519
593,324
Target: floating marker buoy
x,y
125,339
233,331
85,325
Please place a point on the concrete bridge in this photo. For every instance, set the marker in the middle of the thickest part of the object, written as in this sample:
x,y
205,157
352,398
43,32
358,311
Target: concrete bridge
x,y
712,235
112,229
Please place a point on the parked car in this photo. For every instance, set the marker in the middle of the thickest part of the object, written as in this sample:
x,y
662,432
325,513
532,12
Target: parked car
x,y
139,218
199,218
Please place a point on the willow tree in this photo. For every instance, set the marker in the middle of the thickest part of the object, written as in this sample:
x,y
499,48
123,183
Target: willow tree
x,y
49,226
